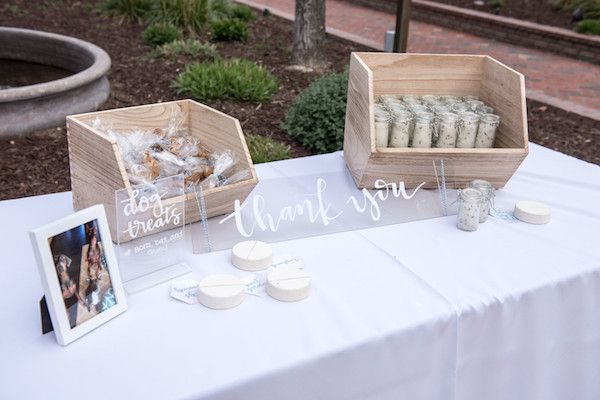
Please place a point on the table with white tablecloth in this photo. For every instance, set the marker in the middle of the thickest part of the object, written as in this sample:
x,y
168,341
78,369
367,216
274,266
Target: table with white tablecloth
x,y
418,310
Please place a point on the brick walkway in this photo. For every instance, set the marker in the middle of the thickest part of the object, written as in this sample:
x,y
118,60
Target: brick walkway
x,y
560,81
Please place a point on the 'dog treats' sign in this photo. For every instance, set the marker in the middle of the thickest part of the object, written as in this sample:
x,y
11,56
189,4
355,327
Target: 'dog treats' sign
x,y
150,224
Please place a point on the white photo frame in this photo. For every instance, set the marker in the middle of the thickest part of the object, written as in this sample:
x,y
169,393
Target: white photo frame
x,y
75,258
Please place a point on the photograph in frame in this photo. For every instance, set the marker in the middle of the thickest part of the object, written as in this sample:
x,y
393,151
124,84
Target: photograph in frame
x,y
79,273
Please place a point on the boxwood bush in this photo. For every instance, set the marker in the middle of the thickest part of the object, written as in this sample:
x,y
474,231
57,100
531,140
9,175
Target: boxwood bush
x,y
229,29
160,33
227,79
316,119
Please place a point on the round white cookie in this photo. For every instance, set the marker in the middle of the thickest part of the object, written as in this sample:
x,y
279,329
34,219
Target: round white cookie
x,y
221,291
252,255
532,212
288,284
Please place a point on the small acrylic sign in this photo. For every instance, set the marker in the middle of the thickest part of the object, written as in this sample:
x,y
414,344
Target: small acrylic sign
x,y
150,226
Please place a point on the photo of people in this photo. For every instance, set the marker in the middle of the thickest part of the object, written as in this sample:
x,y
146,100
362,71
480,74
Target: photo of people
x,y
82,272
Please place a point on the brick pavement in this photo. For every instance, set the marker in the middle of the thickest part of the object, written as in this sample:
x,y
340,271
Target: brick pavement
x,y
563,82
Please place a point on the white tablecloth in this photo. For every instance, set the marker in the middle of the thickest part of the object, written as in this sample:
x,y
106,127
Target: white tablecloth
x,y
412,311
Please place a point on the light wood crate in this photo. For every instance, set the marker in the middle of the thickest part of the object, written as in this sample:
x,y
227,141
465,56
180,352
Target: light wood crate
x,y
97,168
376,74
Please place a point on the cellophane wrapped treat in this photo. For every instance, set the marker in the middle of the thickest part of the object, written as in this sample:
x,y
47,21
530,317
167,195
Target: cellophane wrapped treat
x,y
150,154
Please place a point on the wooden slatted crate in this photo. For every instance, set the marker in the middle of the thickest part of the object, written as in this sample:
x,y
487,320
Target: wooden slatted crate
x,y
376,74
97,168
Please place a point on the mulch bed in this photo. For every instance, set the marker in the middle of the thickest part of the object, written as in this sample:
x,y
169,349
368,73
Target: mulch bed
x,y
38,163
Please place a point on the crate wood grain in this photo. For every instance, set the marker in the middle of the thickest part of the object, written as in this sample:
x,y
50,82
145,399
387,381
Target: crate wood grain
x,y
98,170
375,74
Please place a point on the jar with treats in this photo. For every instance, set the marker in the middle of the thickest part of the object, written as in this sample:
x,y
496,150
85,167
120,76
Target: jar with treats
x,y
469,205
467,130
486,134
423,131
401,129
487,193
447,130
382,126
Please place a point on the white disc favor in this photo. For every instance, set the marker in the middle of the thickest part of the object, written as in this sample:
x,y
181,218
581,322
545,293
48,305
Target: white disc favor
x,y
288,284
252,255
221,291
532,212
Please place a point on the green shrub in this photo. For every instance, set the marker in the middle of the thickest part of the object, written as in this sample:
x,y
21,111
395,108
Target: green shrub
x,y
591,8
188,47
496,3
229,30
241,12
316,119
192,15
264,149
589,26
135,10
232,79
160,33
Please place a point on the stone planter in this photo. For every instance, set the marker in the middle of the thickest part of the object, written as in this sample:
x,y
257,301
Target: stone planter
x,y
27,108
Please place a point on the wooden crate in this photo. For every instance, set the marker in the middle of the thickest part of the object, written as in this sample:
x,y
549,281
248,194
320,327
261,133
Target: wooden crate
x,y
376,74
97,168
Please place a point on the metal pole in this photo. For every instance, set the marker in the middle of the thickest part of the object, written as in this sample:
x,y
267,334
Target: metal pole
x,y
403,11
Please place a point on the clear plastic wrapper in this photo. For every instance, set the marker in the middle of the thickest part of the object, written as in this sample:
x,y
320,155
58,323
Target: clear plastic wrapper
x,y
150,154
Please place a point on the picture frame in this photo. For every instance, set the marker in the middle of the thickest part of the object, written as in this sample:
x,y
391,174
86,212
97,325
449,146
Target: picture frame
x,y
79,273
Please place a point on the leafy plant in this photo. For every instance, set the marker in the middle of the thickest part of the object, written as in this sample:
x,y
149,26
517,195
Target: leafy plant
x,y
496,3
227,9
232,79
188,47
160,33
589,26
590,8
265,149
192,15
135,10
241,12
316,119
229,30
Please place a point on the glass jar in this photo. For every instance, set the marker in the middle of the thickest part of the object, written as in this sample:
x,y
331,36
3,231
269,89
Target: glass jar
x,y
447,130
469,205
487,193
410,99
430,100
485,110
488,125
401,129
467,130
382,126
459,108
418,108
450,100
475,105
423,131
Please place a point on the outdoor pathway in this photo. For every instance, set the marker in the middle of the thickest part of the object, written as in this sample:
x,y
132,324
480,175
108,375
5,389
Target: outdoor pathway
x,y
563,82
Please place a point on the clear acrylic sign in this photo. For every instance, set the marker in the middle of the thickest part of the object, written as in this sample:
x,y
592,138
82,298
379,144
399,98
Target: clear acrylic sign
x,y
150,226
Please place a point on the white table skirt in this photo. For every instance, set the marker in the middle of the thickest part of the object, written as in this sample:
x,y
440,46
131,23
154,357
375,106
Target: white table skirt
x,y
412,311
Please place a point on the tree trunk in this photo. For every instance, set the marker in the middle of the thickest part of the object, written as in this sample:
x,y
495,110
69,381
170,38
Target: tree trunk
x,y
309,33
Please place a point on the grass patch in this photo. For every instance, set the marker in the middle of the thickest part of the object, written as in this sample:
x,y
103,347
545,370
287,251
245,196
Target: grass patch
x,y
232,79
229,29
264,149
192,48
160,33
